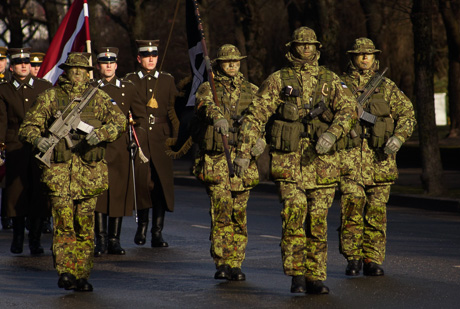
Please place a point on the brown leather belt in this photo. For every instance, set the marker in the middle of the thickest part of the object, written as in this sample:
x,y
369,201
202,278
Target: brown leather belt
x,y
153,119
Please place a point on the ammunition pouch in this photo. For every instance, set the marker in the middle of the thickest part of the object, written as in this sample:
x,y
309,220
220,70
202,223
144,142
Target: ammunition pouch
x,y
381,132
212,140
285,136
288,111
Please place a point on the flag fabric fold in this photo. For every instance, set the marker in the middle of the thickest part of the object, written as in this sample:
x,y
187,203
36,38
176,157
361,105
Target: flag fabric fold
x,y
71,36
195,51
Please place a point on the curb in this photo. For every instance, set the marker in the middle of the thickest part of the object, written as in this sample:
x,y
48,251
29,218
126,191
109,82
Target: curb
x,y
396,199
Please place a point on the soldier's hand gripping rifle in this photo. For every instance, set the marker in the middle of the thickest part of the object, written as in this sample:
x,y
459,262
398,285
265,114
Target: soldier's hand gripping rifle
x,y
213,86
63,127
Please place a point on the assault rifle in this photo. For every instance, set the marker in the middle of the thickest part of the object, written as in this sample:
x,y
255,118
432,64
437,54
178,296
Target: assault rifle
x,y
64,127
369,89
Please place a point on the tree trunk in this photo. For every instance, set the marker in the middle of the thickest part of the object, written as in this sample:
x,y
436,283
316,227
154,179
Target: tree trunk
x,y
424,93
14,17
52,18
450,12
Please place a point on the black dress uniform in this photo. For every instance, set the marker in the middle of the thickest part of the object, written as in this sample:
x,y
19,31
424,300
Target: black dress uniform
x,y
22,195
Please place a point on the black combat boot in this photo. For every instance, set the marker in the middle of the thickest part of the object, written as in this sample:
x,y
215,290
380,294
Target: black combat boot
x,y
67,281
142,225
114,236
83,285
316,287
100,233
223,272
35,233
298,284
372,269
237,274
19,224
158,219
47,228
353,267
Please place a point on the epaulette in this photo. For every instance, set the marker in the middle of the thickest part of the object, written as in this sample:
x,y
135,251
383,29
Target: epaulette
x,y
127,81
166,73
129,74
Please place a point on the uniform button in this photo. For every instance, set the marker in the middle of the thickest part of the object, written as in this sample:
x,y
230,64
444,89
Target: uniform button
x,y
150,128
122,94
150,90
122,103
27,100
150,78
122,86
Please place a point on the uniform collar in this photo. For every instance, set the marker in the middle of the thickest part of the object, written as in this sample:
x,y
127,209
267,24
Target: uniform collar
x,y
142,73
114,82
28,81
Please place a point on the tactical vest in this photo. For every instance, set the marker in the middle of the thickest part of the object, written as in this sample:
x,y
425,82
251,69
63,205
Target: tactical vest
x,y
212,140
62,151
296,118
378,134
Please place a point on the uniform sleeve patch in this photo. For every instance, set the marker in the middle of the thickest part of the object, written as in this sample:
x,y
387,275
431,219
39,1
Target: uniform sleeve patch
x,y
343,85
113,102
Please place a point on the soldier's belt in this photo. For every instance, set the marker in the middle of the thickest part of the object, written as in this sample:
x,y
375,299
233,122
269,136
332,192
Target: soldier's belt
x,y
153,119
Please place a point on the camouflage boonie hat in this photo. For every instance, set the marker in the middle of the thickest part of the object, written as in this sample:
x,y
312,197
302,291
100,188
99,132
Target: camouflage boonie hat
x,y
229,52
304,35
364,46
79,60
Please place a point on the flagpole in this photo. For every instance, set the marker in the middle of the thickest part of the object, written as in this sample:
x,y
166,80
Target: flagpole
x,y
88,40
213,86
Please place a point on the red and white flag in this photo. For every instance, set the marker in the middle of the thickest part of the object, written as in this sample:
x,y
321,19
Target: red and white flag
x,y
71,36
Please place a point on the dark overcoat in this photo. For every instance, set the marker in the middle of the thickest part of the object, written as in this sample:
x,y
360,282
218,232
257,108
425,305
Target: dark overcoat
x,y
22,194
162,126
118,200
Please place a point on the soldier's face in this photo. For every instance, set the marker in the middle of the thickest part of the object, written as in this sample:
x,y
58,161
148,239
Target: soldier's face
x,y
305,50
78,75
34,69
2,65
21,70
364,61
230,67
107,70
148,63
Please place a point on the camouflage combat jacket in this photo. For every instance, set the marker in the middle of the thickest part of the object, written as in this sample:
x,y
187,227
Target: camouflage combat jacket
x,y
299,162
395,117
73,174
234,96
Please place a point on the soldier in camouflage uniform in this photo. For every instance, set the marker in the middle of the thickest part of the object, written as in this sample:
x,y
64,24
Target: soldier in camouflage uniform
x,y
308,109
78,175
369,164
229,196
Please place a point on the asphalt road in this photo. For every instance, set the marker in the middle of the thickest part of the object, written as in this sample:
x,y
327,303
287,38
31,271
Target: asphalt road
x,y
422,269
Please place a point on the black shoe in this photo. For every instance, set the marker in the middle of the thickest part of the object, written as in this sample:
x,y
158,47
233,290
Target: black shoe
x,y
36,249
6,223
141,233
17,246
316,287
67,281
158,241
84,286
372,269
298,284
115,248
353,267
223,272
237,274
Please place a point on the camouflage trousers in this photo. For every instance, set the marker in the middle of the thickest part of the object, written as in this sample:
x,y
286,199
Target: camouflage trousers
x,y
304,230
229,234
73,239
363,221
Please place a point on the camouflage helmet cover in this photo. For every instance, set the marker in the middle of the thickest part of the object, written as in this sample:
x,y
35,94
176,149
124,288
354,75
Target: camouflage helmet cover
x,y
229,52
304,35
74,59
363,46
